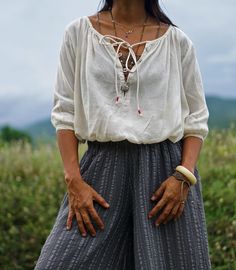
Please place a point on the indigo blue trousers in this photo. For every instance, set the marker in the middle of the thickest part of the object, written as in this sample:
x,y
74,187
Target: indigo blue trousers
x,y
126,175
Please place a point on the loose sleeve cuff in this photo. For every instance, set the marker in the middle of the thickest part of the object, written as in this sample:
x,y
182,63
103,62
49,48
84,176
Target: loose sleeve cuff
x,y
194,135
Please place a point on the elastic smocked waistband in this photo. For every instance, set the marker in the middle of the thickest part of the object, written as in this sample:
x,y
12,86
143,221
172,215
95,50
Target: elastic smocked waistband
x,y
123,142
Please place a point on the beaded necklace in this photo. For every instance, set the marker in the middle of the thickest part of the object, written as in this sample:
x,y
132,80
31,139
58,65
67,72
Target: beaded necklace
x,y
123,56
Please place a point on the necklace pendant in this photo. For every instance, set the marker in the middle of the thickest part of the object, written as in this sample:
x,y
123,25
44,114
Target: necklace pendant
x,y
127,33
125,87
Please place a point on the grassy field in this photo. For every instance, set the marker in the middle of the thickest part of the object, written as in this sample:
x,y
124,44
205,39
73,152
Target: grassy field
x,y
32,186
217,166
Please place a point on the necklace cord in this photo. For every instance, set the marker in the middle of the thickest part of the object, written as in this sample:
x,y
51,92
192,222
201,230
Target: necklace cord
x,y
144,24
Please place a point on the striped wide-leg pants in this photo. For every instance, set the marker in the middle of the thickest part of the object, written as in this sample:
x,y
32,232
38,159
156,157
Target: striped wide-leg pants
x,y
126,175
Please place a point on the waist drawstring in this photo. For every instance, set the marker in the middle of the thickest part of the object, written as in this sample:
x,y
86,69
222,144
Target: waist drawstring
x,y
125,44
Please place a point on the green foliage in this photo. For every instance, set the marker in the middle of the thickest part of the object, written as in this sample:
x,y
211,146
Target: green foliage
x,y
8,134
32,187
217,166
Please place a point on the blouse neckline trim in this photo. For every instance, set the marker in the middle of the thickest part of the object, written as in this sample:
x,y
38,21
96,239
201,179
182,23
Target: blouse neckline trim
x,y
148,41
121,42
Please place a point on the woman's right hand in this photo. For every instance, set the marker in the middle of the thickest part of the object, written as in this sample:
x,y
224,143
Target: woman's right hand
x,y
80,197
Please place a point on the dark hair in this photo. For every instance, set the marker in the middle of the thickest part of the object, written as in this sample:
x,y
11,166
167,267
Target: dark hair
x,y
152,7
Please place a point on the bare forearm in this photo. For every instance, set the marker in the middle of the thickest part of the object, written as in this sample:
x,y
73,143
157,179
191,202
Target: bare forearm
x,y
191,151
68,146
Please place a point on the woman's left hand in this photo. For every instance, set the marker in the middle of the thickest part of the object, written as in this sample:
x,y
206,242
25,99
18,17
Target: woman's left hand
x,y
169,194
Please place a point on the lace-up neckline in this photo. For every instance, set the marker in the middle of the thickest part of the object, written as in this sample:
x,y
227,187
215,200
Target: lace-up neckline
x,y
119,42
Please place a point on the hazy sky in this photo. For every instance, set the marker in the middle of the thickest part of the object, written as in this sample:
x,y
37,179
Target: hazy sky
x,y
31,33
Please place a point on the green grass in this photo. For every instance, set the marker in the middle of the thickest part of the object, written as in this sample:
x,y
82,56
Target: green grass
x,y
217,165
32,187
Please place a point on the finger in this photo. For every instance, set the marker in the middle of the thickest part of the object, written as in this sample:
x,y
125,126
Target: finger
x,y
173,212
180,210
87,221
165,214
158,206
80,223
158,193
182,205
69,219
96,217
98,198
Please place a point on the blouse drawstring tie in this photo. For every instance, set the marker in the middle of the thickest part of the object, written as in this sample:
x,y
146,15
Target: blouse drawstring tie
x,y
125,44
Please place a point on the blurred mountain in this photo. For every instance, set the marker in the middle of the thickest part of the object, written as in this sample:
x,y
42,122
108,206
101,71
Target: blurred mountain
x,y
42,130
222,112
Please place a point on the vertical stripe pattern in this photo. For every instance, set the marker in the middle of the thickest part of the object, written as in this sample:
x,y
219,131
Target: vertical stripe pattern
x,y
126,175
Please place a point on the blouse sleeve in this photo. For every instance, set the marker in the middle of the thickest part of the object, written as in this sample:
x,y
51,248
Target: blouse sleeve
x,y
196,122
62,113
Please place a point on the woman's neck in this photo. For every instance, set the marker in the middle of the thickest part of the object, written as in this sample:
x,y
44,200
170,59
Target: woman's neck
x,y
129,11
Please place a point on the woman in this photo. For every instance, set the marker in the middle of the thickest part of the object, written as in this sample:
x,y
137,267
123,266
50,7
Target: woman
x,y
128,83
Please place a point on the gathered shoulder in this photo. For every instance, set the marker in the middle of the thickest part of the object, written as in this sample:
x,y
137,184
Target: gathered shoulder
x,y
72,27
73,31
182,37
183,41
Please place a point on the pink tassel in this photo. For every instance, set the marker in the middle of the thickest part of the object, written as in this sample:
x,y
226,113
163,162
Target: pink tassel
x,y
139,111
117,98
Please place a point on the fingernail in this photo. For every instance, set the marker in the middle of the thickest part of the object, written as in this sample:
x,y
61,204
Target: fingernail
x,y
84,234
67,227
107,205
149,216
153,198
157,224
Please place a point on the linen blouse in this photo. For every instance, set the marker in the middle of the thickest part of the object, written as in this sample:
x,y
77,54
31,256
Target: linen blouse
x,y
165,97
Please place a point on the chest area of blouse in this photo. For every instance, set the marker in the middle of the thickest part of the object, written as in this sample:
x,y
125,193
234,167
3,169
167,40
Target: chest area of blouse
x,y
128,55
101,65
101,61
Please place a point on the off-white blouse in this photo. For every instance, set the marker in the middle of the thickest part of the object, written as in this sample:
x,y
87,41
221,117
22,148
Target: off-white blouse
x,y
165,97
